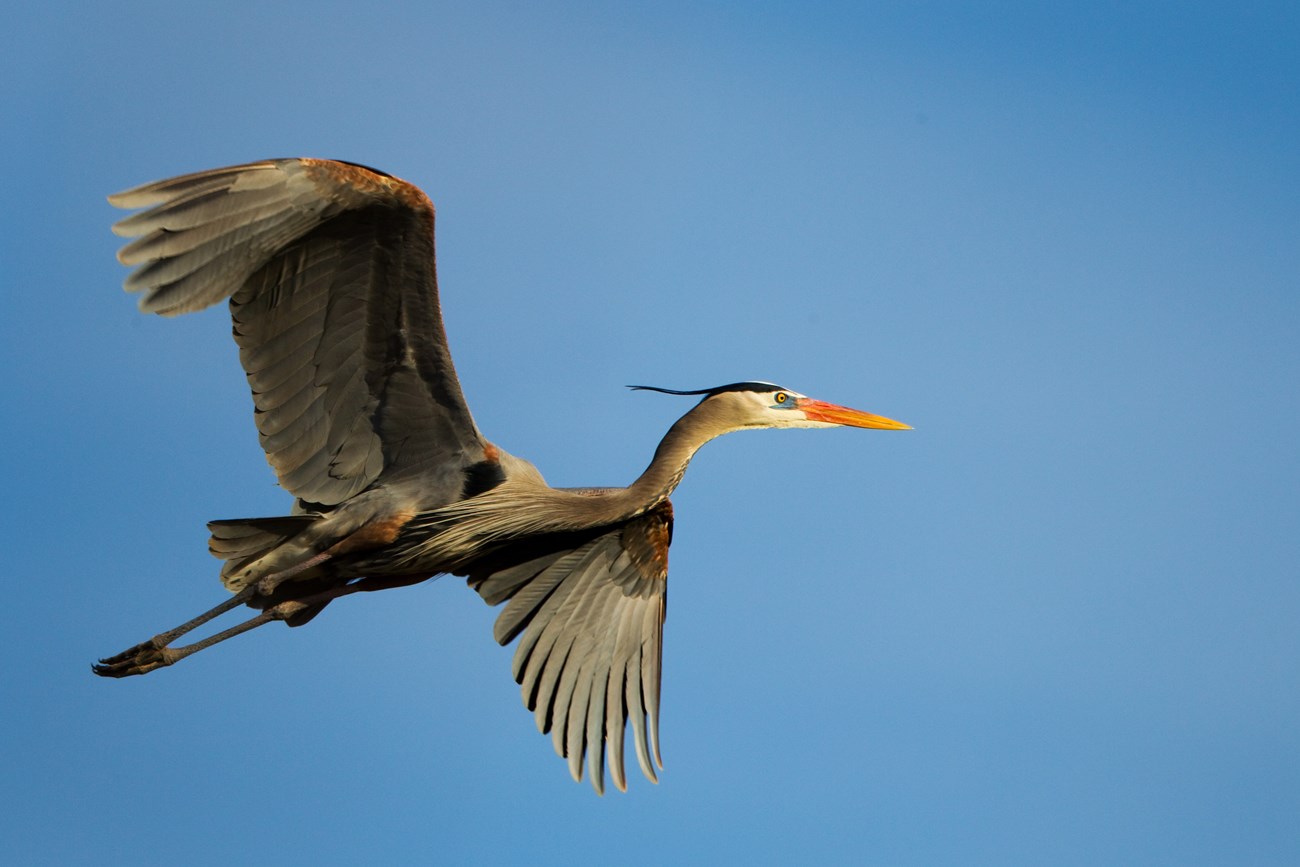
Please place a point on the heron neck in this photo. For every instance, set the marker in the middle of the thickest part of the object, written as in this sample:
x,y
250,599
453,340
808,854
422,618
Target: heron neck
x,y
703,423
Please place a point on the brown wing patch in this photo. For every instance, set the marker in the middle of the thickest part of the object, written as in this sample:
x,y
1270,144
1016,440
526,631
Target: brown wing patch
x,y
367,181
649,548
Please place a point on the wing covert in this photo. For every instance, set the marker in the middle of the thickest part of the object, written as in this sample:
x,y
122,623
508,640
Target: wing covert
x,y
330,271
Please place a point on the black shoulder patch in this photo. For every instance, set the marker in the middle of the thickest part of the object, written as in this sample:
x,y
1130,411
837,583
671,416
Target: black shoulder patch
x,y
480,477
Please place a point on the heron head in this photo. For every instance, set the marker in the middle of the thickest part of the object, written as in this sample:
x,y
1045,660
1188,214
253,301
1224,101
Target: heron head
x,y
767,405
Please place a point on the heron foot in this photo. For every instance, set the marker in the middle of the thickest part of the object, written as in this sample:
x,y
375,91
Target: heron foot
x,y
141,659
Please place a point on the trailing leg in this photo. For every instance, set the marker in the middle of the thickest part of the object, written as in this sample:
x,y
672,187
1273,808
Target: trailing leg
x,y
151,654
157,653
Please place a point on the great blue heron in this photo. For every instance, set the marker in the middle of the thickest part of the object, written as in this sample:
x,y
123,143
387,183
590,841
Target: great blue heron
x,y
329,268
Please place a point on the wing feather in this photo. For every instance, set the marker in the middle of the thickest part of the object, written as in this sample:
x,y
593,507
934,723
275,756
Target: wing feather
x,y
575,745
249,176
541,661
559,689
525,602
285,402
616,709
588,610
651,654
503,584
624,701
209,211
597,679
329,268
162,243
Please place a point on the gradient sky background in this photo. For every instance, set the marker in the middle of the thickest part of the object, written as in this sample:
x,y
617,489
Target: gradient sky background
x,y
1057,623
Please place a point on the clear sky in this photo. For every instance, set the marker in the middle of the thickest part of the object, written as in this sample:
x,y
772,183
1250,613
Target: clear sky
x,y
1058,623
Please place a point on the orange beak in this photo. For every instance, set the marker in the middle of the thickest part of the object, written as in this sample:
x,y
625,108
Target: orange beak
x,y
817,410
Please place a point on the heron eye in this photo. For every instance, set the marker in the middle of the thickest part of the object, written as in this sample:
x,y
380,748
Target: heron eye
x,y
781,397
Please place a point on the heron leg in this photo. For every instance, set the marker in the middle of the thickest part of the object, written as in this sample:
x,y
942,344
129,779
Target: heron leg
x,y
153,654
267,585
157,653
148,655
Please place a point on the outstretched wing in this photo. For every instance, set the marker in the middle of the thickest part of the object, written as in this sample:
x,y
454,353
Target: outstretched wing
x,y
329,268
591,611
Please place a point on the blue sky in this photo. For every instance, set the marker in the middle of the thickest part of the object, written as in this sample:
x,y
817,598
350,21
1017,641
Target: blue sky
x,y
1056,623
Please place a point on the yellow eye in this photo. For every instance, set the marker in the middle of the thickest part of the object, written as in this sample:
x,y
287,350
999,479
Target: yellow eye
x,y
781,397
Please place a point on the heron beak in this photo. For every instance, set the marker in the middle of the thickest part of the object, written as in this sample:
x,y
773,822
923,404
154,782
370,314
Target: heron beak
x,y
817,410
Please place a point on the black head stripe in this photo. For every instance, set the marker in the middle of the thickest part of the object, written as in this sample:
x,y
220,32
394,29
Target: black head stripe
x,y
735,386
370,169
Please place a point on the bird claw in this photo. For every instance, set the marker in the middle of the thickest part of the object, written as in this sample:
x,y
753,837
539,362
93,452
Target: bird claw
x,y
141,659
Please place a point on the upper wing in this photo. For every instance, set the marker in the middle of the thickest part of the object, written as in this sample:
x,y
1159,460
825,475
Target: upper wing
x,y
329,268
591,611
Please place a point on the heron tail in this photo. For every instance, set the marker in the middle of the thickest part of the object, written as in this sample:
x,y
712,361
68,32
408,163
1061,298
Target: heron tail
x,y
242,541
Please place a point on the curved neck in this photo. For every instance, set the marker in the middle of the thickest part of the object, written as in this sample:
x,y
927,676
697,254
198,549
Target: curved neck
x,y
701,424
525,505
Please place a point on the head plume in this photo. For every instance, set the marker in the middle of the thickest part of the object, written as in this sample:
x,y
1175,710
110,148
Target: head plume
x,y
752,385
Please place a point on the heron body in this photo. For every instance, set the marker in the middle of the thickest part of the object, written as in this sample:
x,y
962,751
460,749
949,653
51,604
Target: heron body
x,y
330,275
